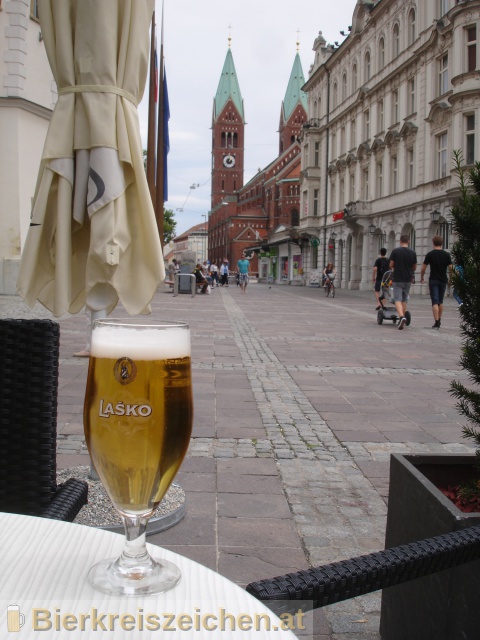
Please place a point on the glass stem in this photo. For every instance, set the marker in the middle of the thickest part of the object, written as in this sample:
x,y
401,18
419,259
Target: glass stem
x,y
135,550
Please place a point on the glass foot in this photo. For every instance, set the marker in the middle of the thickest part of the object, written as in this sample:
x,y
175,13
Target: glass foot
x,y
110,577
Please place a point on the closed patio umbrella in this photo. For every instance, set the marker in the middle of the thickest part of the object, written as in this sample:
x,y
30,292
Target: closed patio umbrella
x,y
93,237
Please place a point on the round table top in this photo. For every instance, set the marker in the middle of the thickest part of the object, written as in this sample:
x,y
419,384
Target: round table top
x,y
43,585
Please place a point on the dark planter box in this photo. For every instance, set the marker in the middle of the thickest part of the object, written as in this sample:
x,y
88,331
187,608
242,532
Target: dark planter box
x,y
446,605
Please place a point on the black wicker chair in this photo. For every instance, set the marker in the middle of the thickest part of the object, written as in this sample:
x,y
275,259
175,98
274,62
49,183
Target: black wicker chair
x,y
29,352
347,579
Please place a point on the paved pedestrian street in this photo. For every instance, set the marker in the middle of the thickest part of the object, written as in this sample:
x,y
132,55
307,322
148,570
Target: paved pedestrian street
x,y
299,402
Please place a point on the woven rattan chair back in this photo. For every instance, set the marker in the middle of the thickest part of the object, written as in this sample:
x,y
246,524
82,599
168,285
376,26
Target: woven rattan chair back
x,y
29,351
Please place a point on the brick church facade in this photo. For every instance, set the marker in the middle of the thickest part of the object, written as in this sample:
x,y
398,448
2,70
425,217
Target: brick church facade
x,y
245,216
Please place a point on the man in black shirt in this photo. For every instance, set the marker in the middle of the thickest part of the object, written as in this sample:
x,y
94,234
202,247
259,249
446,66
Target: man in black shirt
x,y
403,261
439,261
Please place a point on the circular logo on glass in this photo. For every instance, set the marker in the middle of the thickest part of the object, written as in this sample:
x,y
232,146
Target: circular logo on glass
x,y
125,370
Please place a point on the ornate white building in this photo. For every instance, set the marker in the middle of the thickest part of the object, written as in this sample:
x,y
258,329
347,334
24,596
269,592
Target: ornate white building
x,y
387,108
27,97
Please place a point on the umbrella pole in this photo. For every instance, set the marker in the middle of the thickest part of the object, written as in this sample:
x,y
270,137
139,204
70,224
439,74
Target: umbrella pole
x,y
94,315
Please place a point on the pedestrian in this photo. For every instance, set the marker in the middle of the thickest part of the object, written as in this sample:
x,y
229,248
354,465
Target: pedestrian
x,y
403,261
243,267
380,267
214,273
440,261
206,273
458,270
224,274
173,268
200,278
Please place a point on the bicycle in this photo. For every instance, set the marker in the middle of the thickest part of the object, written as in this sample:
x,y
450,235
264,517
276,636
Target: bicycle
x,y
329,286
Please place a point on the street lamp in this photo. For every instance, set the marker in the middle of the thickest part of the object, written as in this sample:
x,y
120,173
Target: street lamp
x,y
333,236
204,243
435,215
371,228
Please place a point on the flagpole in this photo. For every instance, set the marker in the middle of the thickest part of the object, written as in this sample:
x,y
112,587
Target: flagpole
x,y
152,125
160,187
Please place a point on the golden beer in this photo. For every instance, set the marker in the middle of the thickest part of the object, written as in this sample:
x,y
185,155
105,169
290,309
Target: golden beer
x,y
138,414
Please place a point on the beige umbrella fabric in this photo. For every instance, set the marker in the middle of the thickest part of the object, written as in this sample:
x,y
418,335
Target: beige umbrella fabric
x,y
93,237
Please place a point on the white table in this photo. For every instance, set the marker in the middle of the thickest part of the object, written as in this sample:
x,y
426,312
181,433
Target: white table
x,y
44,564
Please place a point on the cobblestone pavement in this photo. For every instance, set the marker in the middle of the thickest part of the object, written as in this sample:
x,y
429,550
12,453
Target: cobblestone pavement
x,y
299,402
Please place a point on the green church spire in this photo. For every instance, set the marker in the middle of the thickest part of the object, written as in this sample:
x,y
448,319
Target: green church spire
x,y
228,87
294,93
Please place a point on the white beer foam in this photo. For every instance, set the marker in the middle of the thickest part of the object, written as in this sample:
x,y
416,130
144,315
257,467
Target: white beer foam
x,y
146,344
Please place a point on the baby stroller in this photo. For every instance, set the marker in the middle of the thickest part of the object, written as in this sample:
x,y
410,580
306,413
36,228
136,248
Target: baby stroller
x,y
386,293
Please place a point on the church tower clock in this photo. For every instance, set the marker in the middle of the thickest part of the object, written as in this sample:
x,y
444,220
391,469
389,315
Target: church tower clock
x,y
228,128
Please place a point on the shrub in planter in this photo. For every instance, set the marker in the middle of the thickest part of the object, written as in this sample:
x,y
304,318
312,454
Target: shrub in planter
x,y
446,605
466,282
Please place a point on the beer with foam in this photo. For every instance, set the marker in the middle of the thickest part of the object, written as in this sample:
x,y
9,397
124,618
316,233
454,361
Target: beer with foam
x,y
138,410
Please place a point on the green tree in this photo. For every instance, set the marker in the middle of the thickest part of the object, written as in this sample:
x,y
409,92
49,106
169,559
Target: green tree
x,y
466,255
169,226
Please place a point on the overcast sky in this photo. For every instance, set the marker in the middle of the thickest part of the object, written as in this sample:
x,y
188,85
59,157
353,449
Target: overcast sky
x,y
264,36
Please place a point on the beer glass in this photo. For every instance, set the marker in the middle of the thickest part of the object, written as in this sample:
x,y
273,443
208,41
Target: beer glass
x,y
138,419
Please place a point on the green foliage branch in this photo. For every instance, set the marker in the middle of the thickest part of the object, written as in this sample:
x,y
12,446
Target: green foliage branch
x,y
466,254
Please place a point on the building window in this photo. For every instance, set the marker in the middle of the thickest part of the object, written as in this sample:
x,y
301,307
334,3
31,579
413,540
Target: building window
x,y
470,139
314,257
411,27
396,40
411,96
442,155
315,201
342,193
295,216
366,191
444,232
353,133
395,114
410,169
413,239
352,188
354,78
381,53
34,9
344,87
334,146
443,7
342,141
381,118
471,48
379,179
368,67
316,158
335,95
394,166
443,85
366,124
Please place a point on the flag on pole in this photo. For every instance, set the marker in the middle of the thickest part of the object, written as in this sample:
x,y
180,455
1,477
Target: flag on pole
x,y
166,138
155,70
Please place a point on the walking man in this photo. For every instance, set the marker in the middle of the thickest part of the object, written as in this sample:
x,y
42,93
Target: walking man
x,y
243,266
379,268
403,261
439,261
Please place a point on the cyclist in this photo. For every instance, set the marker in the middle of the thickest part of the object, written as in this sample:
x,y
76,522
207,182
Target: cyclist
x,y
327,271
329,274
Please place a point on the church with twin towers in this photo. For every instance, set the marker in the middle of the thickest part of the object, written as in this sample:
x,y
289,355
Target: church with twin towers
x,y
247,216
